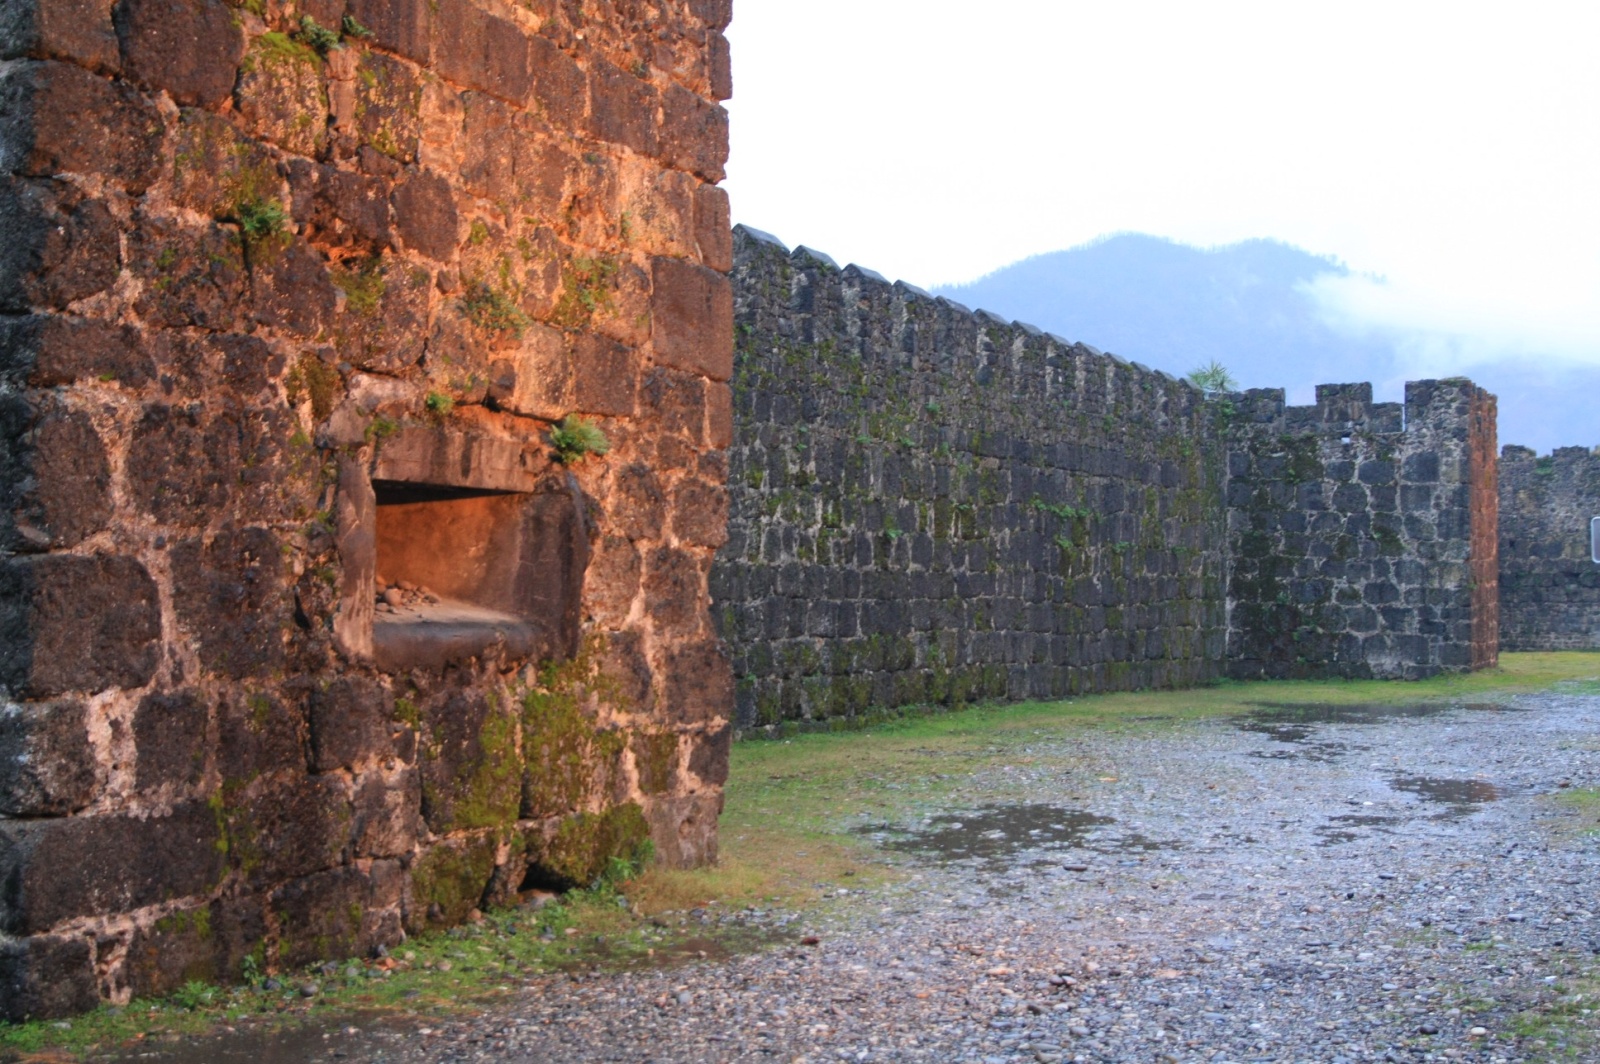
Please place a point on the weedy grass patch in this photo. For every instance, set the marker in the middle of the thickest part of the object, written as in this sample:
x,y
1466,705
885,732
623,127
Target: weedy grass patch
x,y
1581,806
1565,1025
792,802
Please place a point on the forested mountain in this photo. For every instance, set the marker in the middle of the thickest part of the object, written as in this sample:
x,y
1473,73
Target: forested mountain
x,y
1251,307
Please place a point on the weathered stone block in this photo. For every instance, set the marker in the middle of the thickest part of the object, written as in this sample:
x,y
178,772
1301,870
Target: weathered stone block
x,y
675,402
337,208
281,95
471,774
216,168
692,318
53,349
716,14
478,50
403,26
189,48
191,276
169,735
388,106
232,597
700,513
46,977
570,762
622,108
449,881
577,850
684,829
712,228
76,623
387,820
489,168
283,828
694,134
697,682
338,913
174,950
350,724
56,246
78,31
54,870
655,758
708,759
184,462
605,376
674,589
257,734
533,378
612,581
55,479
42,132
291,290
560,87
47,765
721,67
425,215
624,674
719,416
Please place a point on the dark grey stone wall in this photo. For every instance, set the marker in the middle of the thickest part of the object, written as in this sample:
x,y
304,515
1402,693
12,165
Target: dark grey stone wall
x,y
1360,534
1549,587
929,505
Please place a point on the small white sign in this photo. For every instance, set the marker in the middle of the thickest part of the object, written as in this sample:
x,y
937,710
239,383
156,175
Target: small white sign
x,y
1594,540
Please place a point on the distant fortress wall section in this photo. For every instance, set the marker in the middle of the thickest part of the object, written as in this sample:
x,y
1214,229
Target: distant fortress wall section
x,y
1549,584
1361,537
934,506
930,505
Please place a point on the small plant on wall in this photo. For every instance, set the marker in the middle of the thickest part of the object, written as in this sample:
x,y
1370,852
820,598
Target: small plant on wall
x,y
577,437
1213,378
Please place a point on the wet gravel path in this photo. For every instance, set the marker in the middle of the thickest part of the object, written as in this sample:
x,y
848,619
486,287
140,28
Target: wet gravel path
x,y
1344,885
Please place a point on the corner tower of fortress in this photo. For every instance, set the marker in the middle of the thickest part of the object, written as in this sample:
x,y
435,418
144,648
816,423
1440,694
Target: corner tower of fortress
x,y
314,630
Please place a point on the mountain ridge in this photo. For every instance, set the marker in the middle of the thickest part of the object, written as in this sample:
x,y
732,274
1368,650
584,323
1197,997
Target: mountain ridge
x,y
1251,306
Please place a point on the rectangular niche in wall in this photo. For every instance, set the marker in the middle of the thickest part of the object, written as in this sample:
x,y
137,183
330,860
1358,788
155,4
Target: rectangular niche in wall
x,y
465,572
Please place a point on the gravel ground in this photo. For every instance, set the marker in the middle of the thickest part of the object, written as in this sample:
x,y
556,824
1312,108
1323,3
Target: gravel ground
x,y
1355,884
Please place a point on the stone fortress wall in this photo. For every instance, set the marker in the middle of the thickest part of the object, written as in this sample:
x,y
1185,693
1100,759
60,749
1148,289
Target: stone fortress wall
x,y
292,295
1361,535
932,505
1549,586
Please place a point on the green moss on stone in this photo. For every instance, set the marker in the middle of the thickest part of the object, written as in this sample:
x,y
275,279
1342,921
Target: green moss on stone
x,y
583,846
453,876
363,286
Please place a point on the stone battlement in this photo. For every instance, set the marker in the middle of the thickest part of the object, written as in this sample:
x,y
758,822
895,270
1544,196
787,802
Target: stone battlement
x,y
931,504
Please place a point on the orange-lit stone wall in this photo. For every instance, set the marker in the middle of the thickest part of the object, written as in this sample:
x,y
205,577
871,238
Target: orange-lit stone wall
x,y
268,269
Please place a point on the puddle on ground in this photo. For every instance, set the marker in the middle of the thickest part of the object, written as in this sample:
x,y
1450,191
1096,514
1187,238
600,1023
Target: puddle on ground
x,y
1298,715
324,1040
1295,725
1348,828
1296,738
993,833
1463,796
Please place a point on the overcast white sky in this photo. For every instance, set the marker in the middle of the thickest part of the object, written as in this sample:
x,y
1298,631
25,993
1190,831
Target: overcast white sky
x,y
1451,148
